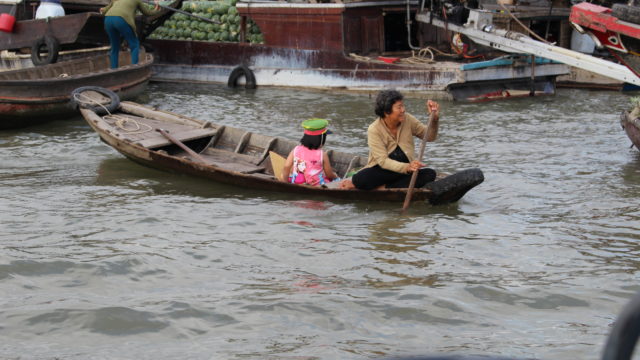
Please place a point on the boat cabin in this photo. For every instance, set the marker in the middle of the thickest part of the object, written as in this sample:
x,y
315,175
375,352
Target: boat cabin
x,y
351,27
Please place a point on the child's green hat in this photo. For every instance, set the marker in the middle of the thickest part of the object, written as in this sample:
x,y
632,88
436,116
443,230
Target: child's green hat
x,y
315,126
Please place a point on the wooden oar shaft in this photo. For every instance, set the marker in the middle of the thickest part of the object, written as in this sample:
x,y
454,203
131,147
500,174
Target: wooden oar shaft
x,y
184,12
182,145
414,175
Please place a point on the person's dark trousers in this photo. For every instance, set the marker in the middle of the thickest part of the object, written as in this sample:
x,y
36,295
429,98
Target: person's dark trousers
x,y
372,177
117,28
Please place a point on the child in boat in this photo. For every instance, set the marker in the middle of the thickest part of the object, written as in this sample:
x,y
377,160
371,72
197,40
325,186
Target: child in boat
x,y
307,163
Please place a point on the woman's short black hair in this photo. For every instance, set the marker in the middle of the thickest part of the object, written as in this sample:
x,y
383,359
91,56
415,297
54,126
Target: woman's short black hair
x,y
313,141
385,101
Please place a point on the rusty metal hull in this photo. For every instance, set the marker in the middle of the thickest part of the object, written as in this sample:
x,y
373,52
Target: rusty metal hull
x,y
631,126
323,69
241,158
36,95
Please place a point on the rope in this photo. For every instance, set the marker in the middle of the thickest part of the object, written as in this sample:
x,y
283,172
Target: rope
x,y
420,58
88,100
524,27
115,120
424,56
122,122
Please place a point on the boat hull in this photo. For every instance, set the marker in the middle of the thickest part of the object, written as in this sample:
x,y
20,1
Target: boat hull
x,y
32,96
11,60
213,62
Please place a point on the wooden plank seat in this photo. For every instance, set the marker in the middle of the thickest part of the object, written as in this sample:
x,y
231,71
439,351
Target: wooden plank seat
x,y
157,140
232,161
142,131
230,156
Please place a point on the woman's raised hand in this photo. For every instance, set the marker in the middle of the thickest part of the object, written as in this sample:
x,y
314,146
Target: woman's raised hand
x,y
432,106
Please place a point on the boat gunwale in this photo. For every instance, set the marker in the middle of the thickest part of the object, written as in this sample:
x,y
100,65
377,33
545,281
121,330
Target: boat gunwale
x,y
147,61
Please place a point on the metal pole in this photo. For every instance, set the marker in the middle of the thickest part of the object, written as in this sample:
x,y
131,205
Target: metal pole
x,y
532,92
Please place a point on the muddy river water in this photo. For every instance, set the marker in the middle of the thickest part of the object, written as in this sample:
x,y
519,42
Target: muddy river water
x,y
105,259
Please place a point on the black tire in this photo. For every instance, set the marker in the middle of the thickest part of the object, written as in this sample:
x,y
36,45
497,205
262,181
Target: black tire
x,y
239,71
453,187
626,13
50,45
114,100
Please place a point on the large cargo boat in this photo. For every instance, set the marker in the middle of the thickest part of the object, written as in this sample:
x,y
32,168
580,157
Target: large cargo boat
x,y
357,46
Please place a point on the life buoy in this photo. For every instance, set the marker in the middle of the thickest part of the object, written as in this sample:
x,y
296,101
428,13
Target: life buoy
x,y
78,101
239,71
50,45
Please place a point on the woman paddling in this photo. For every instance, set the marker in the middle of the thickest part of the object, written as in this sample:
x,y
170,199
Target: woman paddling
x,y
391,148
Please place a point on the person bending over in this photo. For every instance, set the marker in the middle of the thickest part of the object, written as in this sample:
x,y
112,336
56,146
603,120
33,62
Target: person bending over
x,y
119,22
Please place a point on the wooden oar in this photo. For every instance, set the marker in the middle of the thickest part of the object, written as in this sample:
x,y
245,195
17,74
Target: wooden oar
x,y
182,145
414,175
183,12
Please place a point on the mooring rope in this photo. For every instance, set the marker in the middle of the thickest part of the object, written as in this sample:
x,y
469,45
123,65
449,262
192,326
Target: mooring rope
x,y
88,100
124,123
423,56
118,121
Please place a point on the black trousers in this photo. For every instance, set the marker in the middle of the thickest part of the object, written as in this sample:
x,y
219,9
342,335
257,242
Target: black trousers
x,y
371,178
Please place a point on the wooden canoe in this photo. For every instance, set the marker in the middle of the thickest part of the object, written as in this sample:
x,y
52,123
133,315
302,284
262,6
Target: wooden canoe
x,y
235,156
39,94
630,122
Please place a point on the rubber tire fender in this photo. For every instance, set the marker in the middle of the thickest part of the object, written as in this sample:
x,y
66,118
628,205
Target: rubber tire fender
x,y
453,187
113,105
626,13
53,49
237,72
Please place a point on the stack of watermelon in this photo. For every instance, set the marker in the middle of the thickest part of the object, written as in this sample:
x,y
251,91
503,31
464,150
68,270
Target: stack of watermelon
x,y
185,27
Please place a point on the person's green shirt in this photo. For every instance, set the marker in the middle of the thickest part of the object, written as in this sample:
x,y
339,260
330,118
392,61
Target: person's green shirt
x,y
126,9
